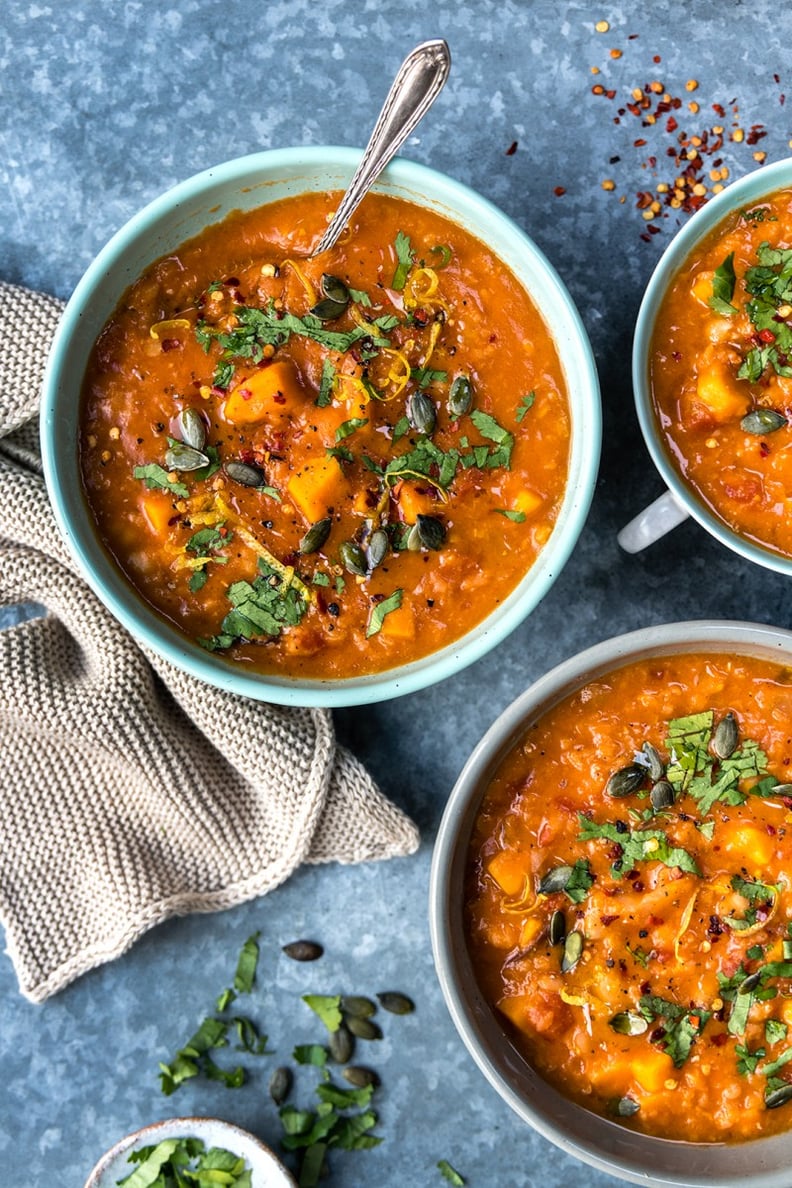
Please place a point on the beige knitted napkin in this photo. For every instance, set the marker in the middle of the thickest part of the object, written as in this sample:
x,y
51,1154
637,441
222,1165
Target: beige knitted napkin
x,y
129,791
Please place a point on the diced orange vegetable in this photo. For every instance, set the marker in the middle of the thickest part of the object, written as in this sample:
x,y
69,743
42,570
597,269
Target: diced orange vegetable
x,y
745,840
399,623
158,509
702,286
527,502
508,870
271,391
414,502
651,1069
723,395
317,487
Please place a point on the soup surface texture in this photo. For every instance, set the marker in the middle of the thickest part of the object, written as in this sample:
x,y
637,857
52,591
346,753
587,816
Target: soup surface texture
x,y
325,467
721,372
628,899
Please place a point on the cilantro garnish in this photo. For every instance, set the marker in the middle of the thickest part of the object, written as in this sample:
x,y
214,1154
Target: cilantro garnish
x,y
261,607
313,1054
723,283
775,1031
770,285
183,1161
681,1026
361,297
517,517
424,376
488,427
347,428
637,845
758,894
156,478
327,1007
326,384
525,404
405,260
449,1173
746,1059
694,770
206,544
380,610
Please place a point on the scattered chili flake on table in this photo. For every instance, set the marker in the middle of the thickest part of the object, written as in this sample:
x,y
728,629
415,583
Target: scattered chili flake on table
x,y
687,163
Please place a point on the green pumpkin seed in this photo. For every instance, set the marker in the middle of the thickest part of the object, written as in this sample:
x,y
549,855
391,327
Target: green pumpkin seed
x,y
377,548
573,949
460,398
557,927
555,880
327,310
184,457
421,413
315,537
777,1097
625,1107
626,781
334,289
654,763
431,532
781,790
303,950
726,737
762,420
396,1003
353,558
750,983
629,1023
245,474
357,1006
280,1085
662,795
363,1028
341,1044
361,1078
191,428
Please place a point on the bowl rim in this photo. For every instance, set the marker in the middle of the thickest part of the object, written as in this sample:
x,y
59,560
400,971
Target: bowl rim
x,y
759,183
164,638
155,1132
640,1157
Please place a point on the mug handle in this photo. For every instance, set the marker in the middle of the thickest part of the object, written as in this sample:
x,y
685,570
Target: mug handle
x,y
652,523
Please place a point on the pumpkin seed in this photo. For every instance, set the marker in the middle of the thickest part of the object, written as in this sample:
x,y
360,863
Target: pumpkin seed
x,y
778,1096
377,548
750,983
654,763
341,1044
557,927
327,310
315,537
303,950
361,1078
396,1003
625,781
762,420
460,398
191,428
430,532
357,1006
662,795
629,1023
184,457
573,949
555,880
363,1028
244,473
421,413
781,790
625,1107
280,1085
334,289
726,737
353,558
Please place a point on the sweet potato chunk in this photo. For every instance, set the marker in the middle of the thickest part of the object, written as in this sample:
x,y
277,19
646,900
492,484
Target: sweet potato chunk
x,y
271,391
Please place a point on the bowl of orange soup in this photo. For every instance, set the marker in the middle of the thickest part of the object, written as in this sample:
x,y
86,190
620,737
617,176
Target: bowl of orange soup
x,y
712,370
321,480
611,905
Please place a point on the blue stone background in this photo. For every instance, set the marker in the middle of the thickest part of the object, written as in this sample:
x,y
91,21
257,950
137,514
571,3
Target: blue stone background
x,y
105,104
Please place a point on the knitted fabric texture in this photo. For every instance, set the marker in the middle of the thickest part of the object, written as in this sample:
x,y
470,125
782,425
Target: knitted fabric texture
x,y
131,792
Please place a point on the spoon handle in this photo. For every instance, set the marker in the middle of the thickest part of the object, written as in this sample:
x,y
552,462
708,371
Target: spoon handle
x,y
419,81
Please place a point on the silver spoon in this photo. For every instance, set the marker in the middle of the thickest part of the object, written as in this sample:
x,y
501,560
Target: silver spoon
x,y
416,86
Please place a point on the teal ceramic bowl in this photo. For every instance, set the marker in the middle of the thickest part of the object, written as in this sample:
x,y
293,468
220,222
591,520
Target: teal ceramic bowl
x,y
637,1158
656,520
182,213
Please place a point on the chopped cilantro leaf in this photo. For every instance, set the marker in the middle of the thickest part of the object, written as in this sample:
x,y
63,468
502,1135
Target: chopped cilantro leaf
x,y
327,1007
681,1027
525,404
156,478
516,517
247,964
380,610
638,845
360,297
746,1059
450,1174
775,1031
723,282
347,428
326,384
404,257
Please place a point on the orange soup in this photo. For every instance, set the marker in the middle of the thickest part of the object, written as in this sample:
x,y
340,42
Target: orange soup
x,y
628,896
325,467
721,372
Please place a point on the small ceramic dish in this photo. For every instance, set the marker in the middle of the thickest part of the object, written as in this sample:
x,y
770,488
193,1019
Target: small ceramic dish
x,y
267,1169
595,1139
160,229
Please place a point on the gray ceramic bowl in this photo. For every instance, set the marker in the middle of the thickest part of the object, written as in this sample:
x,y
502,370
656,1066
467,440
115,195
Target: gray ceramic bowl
x,y
183,212
641,1159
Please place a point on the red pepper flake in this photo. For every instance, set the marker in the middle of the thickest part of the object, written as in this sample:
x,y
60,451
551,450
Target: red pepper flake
x,y
279,398
245,393
671,124
639,143
559,191
512,149
606,920
719,111
764,449
171,344
766,336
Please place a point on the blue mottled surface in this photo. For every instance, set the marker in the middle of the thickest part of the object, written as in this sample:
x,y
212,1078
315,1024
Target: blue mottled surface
x,y
103,106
